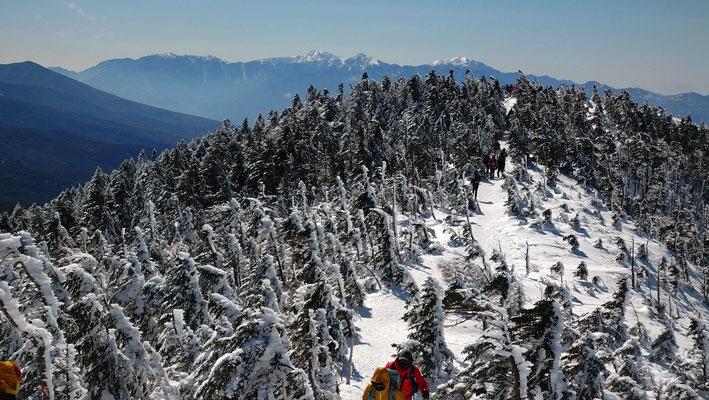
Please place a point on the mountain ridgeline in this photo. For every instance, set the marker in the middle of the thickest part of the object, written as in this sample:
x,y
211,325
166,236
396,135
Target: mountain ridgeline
x,y
230,266
216,89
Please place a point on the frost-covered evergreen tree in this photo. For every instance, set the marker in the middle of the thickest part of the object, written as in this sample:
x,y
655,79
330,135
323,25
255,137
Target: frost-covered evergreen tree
x,y
30,337
664,347
387,257
630,375
558,270
250,364
309,341
498,368
573,242
581,271
177,344
539,330
319,296
108,372
427,343
307,260
584,370
182,291
94,207
609,318
699,352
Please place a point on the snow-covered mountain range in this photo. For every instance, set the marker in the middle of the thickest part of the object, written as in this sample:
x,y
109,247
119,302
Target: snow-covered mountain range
x,y
213,88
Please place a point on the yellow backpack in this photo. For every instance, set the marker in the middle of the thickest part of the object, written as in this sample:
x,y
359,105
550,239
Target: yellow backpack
x,y
10,377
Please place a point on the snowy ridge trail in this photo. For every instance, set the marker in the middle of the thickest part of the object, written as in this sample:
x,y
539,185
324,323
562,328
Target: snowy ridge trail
x,y
381,325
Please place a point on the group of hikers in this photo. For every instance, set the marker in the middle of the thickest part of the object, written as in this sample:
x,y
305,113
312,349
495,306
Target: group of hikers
x,y
495,162
492,162
398,380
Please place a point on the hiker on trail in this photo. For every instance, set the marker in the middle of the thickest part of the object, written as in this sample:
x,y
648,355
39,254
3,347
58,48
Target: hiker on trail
x,y
493,166
497,148
486,162
476,183
383,386
410,377
10,377
501,163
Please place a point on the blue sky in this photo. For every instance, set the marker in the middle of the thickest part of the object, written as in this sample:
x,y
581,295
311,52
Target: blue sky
x,y
658,45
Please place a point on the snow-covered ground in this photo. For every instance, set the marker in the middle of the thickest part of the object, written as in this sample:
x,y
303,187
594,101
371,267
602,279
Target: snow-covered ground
x,y
380,324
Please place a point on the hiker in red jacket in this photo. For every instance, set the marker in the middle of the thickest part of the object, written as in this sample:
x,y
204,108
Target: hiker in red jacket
x,y
411,379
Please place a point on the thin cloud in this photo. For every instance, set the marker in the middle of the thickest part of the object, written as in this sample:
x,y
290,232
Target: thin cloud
x,y
100,34
72,6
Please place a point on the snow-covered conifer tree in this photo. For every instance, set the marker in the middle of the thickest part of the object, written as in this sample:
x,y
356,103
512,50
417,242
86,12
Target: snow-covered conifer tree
x,y
181,290
94,208
699,352
584,370
107,370
581,271
664,347
177,344
539,330
250,364
425,321
309,341
498,368
558,269
609,318
573,242
387,258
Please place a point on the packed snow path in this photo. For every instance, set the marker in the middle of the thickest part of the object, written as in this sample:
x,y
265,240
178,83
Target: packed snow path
x,y
380,324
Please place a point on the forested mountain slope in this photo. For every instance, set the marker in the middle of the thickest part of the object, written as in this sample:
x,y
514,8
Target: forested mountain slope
x,y
56,130
248,263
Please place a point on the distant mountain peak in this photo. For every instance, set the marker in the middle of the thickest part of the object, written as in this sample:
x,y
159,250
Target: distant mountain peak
x,y
458,60
363,60
317,56
164,55
323,57
173,56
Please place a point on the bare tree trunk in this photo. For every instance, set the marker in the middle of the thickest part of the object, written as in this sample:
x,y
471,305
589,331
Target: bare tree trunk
x,y
349,363
393,212
278,259
705,287
431,205
517,395
373,275
632,262
659,301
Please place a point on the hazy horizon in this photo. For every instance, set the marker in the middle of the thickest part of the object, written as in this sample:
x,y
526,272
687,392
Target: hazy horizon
x,y
352,55
653,45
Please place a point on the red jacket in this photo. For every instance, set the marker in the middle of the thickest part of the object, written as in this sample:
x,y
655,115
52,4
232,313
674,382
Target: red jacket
x,y
406,379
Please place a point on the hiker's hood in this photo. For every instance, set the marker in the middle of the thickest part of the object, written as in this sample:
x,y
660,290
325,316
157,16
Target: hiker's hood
x,y
381,375
10,377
